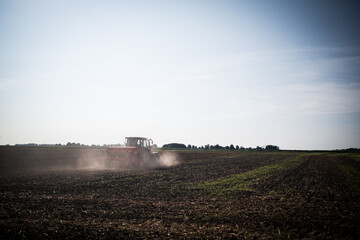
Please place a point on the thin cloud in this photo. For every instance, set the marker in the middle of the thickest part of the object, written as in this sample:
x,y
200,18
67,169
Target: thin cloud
x,y
7,82
298,99
325,98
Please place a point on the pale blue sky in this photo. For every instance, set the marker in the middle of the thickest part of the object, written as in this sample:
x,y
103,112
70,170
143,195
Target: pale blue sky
x,y
246,73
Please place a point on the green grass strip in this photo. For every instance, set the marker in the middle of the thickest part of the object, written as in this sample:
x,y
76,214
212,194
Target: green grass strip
x,y
244,181
350,164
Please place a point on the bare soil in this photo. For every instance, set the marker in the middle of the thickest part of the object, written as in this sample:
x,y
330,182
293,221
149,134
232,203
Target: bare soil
x,y
316,198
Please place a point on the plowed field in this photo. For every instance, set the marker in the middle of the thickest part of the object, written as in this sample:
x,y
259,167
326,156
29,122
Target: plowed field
x,y
209,195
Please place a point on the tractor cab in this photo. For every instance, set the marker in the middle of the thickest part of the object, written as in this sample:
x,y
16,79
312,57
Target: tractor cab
x,y
138,142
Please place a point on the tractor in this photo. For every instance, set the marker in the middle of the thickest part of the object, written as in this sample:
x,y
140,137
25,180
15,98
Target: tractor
x,y
135,154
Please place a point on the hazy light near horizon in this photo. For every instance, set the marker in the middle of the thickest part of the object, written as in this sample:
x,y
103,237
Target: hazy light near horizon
x,y
203,72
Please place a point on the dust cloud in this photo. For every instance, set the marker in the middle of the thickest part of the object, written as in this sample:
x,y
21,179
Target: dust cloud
x,y
91,161
168,159
161,160
95,161
21,159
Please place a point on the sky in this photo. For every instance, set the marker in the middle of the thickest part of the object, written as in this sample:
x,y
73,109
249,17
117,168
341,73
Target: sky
x,y
248,73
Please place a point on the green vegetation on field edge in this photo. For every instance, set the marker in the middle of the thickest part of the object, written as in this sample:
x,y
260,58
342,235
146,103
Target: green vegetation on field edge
x,y
245,181
349,163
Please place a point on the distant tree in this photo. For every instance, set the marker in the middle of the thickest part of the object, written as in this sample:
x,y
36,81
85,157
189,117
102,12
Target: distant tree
x,y
174,145
237,147
232,147
28,144
272,148
72,144
189,146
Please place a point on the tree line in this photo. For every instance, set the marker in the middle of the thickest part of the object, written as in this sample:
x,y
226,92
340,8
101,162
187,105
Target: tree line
x,y
219,147
69,144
